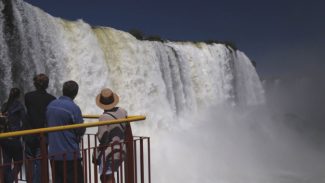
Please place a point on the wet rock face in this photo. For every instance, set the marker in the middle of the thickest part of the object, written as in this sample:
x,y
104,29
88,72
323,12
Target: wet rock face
x,y
12,38
10,52
17,50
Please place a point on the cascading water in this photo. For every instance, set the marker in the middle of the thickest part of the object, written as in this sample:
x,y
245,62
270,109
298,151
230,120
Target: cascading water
x,y
193,94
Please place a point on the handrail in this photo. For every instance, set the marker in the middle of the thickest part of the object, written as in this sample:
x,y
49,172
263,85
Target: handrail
x,y
67,127
95,116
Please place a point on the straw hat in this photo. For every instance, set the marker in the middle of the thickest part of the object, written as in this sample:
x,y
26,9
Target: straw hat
x,y
107,99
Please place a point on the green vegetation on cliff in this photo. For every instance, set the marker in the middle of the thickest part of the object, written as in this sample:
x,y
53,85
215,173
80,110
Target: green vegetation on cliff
x,y
141,36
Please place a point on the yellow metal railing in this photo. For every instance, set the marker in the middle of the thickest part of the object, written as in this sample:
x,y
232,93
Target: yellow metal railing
x,y
67,127
95,116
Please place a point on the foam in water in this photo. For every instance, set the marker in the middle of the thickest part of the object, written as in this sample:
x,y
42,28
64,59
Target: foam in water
x,y
198,98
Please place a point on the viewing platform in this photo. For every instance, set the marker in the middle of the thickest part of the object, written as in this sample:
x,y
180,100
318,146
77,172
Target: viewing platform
x,y
135,166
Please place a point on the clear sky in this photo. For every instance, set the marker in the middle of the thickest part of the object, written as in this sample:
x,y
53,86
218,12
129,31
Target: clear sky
x,y
282,36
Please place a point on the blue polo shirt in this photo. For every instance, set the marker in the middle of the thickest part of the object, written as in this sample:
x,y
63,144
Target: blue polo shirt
x,y
63,111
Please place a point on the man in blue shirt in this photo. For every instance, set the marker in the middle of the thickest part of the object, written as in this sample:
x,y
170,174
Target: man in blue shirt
x,y
64,148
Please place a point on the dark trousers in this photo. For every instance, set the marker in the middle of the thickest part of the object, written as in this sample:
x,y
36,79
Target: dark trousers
x,y
33,164
12,152
69,171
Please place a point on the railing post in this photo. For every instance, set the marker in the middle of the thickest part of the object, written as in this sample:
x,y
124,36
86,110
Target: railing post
x,y
1,167
29,169
95,164
89,156
135,161
44,161
149,164
53,169
121,167
129,163
65,168
141,160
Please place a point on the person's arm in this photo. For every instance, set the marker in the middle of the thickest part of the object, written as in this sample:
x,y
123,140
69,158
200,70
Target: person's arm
x,y
27,103
79,119
3,109
26,123
128,129
23,117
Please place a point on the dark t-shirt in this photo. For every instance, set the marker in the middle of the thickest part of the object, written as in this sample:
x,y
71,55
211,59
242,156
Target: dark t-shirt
x,y
15,113
36,103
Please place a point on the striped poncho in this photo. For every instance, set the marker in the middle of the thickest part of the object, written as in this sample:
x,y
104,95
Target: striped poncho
x,y
112,134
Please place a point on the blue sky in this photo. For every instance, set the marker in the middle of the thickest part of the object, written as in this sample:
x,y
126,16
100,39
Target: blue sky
x,y
283,37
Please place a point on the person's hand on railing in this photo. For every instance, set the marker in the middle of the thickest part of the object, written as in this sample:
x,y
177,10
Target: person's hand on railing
x,y
3,114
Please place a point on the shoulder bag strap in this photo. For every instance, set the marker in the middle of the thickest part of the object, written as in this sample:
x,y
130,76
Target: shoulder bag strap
x,y
115,118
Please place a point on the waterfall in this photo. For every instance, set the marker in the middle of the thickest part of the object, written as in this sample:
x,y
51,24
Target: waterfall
x,y
172,79
179,76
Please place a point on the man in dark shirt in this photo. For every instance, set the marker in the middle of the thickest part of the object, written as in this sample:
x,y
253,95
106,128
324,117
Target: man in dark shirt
x,y
36,103
64,145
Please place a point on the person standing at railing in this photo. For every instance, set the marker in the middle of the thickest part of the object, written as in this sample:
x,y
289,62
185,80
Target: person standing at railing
x,y
110,134
12,148
36,103
64,150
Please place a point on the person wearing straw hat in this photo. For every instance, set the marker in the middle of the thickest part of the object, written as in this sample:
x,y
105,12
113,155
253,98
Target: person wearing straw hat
x,y
112,137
